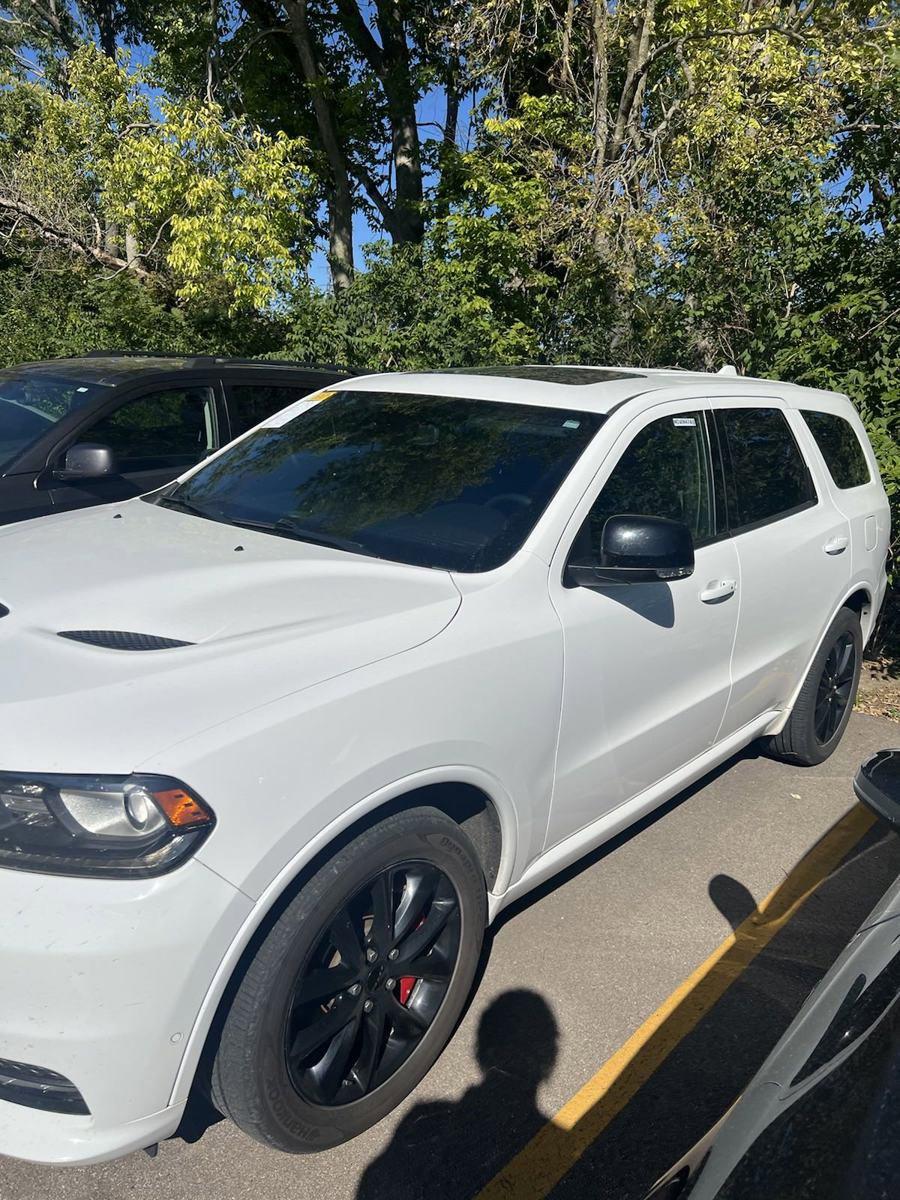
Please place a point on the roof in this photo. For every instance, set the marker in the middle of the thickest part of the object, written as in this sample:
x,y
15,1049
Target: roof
x,y
589,389
112,368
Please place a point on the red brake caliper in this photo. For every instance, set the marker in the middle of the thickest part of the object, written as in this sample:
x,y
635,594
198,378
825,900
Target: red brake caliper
x,y
408,982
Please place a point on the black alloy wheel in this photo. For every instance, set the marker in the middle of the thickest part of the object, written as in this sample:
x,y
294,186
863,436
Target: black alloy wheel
x,y
354,986
822,708
835,688
373,984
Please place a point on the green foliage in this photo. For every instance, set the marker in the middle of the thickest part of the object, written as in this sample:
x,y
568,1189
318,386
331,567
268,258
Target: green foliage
x,y
408,310
200,199
63,310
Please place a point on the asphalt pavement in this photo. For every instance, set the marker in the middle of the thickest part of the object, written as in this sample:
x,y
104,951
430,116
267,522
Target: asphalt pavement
x,y
571,972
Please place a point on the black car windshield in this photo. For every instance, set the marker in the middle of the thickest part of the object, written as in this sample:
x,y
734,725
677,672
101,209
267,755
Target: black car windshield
x,y
30,404
436,481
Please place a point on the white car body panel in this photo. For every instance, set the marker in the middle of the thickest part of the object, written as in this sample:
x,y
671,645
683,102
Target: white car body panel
x,y
323,685
647,670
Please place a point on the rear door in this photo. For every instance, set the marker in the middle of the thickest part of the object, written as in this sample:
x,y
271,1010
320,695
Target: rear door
x,y
254,398
155,436
791,544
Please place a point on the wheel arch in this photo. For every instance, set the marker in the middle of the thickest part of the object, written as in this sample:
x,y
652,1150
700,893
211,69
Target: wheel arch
x,y
477,803
859,598
862,603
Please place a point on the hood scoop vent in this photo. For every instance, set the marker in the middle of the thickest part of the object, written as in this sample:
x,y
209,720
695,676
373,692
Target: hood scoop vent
x,y
118,639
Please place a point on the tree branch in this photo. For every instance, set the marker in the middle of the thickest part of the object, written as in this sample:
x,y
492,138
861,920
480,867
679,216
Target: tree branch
x,y
68,241
367,182
360,34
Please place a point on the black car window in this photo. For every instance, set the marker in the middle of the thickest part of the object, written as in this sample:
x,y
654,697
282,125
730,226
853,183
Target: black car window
x,y
840,448
31,403
438,481
766,473
664,472
250,403
171,429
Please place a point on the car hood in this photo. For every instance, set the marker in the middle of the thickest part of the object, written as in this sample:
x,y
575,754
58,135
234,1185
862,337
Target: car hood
x,y
263,617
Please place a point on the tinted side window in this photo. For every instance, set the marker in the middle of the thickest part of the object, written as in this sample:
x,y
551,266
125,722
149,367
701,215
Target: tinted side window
x,y
250,403
767,474
174,428
664,472
840,448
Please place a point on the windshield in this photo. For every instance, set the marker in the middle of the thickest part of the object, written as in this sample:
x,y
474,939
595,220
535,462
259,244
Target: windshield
x,y
431,480
30,404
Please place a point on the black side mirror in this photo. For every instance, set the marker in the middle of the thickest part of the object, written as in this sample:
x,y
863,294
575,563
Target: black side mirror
x,y
637,549
877,784
87,460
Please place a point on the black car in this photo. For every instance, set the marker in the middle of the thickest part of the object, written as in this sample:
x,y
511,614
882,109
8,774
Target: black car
x,y
819,1119
106,426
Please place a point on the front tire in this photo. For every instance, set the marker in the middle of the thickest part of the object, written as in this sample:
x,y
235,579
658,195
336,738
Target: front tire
x,y
356,988
820,715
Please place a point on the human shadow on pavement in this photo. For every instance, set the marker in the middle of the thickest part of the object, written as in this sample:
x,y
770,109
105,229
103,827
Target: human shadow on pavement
x,y
446,1148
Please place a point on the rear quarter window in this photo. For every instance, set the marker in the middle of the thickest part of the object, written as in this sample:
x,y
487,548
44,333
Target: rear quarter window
x,y
837,440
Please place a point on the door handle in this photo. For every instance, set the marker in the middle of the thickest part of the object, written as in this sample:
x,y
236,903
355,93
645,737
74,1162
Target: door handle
x,y
837,545
720,590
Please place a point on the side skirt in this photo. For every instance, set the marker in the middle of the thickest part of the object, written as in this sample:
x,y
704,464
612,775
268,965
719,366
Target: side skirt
x,y
568,851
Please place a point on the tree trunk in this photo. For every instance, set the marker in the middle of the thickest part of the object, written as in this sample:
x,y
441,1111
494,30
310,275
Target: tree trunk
x,y
340,239
633,88
340,199
132,250
409,224
106,29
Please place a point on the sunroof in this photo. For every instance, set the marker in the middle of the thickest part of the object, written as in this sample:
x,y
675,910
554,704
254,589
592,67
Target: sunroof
x,y
548,374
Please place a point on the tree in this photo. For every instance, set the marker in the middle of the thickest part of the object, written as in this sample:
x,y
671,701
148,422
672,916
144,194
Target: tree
x,y
619,140
347,76
203,200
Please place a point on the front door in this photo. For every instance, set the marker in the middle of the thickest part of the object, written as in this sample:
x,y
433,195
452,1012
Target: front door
x,y
647,665
155,437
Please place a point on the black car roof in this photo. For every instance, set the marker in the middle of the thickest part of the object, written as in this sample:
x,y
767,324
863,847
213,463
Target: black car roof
x,y
112,368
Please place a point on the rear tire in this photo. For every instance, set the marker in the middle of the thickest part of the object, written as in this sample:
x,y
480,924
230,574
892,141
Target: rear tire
x,y
327,1032
820,715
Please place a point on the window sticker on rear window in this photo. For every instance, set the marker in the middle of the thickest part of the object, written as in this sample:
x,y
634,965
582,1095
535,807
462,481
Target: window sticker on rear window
x,y
684,422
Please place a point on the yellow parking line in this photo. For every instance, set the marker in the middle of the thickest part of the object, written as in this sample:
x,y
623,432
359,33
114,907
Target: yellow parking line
x,y
555,1149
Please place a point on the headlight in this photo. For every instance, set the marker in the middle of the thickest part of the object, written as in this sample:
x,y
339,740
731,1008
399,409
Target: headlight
x,y
109,825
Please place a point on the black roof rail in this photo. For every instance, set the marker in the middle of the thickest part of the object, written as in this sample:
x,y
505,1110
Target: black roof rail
x,y
219,358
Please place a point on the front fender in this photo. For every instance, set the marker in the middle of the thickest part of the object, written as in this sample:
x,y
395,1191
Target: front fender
x,y
269,896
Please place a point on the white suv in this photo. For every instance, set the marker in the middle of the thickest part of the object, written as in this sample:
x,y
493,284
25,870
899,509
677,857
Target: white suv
x,y
277,741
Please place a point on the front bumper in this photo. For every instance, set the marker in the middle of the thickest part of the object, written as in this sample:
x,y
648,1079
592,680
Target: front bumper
x,y
102,983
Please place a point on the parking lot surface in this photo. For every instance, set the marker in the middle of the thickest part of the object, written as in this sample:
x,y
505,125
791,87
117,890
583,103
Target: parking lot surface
x,y
617,999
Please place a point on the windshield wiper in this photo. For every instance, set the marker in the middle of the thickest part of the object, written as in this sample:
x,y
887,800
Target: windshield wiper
x,y
288,528
284,527
182,505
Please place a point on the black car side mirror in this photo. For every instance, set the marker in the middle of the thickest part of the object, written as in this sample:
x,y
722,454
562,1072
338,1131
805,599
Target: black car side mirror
x,y
87,460
877,784
637,549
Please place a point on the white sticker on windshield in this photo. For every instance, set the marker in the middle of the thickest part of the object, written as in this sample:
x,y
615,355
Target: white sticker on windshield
x,y
683,421
571,424
82,389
